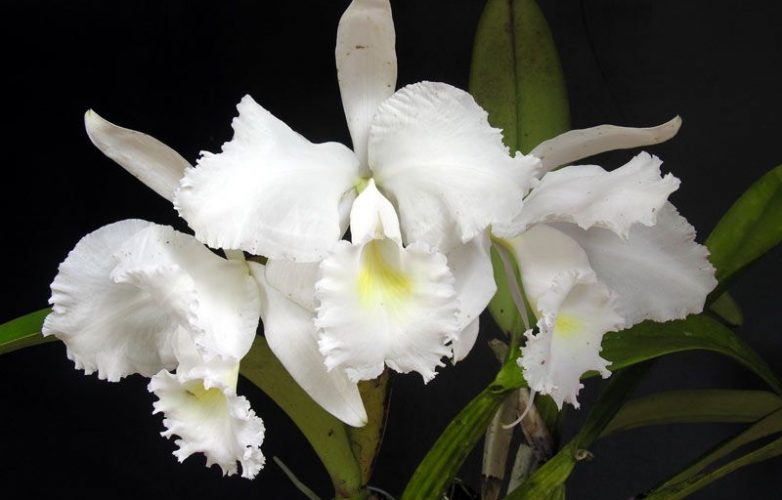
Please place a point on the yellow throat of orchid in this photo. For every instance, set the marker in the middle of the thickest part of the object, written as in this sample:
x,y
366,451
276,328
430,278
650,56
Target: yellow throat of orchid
x,y
380,281
566,325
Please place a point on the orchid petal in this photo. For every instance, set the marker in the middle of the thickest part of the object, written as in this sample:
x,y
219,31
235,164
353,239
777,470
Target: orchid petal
x,y
149,160
588,196
270,191
373,217
127,290
113,328
291,334
366,65
658,272
216,300
574,311
381,304
210,420
578,144
434,154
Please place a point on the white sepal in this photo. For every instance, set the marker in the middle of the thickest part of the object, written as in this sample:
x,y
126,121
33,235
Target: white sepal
x,y
366,65
474,285
269,192
574,311
464,341
588,196
212,420
434,154
149,160
659,272
473,275
575,145
291,334
381,304
294,280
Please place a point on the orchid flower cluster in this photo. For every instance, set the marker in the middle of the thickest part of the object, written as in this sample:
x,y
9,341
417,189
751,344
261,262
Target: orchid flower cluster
x,y
425,192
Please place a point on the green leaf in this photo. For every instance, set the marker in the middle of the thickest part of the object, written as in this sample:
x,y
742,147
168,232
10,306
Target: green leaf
x,y
650,340
547,481
726,308
693,478
327,435
693,484
516,75
749,229
699,406
24,331
440,465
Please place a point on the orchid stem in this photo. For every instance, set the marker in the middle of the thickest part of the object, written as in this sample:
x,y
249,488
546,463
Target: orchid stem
x,y
366,440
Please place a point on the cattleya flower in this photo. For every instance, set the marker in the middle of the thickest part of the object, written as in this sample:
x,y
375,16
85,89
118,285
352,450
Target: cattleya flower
x,y
137,297
377,302
427,182
602,251
429,148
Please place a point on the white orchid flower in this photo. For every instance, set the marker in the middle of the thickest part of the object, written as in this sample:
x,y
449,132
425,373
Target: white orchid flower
x,y
136,297
602,251
428,147
371,303
381,303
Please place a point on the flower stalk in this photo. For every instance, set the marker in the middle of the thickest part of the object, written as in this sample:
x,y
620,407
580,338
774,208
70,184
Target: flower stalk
x,y
366,440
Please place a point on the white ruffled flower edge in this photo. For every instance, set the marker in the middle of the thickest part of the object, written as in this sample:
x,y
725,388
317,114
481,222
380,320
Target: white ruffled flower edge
x,y
210,420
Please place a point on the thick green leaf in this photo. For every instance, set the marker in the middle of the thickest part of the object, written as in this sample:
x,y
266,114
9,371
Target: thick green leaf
x,y
440,465
693,478
516,75
688,487
24,331
700,406
327,435
727,309
751,227
650,340
550,478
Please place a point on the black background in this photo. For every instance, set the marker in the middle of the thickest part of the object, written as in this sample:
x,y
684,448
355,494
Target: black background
x,y
176,70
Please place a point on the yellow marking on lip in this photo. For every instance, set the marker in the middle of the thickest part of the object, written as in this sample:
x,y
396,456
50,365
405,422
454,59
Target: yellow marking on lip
x,y
380,283
567,325
212,397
